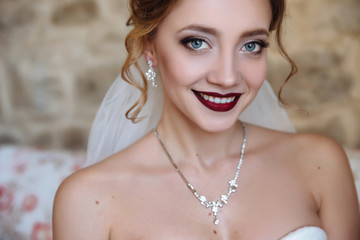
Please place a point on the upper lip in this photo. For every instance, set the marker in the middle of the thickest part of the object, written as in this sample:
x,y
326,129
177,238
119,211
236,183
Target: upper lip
x,y
215,94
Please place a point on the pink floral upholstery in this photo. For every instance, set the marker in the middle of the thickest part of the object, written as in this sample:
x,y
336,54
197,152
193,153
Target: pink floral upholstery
x,y
28,181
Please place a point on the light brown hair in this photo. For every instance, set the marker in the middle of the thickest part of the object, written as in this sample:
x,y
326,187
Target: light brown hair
x,y
146,15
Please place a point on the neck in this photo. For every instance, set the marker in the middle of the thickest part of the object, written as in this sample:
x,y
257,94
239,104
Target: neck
x,y
187,142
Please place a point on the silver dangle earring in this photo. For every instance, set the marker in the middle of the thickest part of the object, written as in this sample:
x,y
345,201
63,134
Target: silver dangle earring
x,y
150,74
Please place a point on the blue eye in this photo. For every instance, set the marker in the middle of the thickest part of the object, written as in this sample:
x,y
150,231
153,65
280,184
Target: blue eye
x,y
254,47
250,47
195,43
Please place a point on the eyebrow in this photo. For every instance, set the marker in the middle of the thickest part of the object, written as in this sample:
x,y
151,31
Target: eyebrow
x,y
255,32
212,31
200,28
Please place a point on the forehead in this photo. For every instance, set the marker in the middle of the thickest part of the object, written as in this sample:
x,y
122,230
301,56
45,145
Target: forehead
x,y
223,15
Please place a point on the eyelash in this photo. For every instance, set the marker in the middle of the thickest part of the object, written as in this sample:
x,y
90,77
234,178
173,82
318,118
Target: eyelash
x,y
188,40
261,44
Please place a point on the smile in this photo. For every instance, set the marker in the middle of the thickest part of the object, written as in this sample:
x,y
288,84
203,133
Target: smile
x,y
216,101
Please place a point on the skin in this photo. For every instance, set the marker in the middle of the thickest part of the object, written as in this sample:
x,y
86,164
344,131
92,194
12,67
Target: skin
x,y
287,180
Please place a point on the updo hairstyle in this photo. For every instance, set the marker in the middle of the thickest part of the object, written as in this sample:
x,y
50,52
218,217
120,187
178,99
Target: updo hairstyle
x,y
146,15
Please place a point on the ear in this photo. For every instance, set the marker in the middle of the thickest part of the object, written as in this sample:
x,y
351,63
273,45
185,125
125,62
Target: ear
x,y
149,51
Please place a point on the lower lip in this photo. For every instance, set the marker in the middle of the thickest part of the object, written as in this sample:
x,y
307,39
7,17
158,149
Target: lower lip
x,y
217,107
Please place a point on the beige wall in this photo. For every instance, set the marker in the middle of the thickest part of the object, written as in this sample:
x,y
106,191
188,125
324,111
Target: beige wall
x,y
323,37
57,59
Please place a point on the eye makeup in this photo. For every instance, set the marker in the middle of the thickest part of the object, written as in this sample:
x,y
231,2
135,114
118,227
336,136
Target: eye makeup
x,y
195,43
254,47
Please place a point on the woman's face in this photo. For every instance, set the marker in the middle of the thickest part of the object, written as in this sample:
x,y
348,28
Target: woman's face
x,y
212,59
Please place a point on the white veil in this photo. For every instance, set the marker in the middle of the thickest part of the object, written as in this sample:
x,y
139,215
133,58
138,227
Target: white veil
x,y
112,131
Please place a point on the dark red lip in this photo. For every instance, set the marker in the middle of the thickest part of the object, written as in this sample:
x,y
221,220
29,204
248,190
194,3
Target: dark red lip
x,y
218,107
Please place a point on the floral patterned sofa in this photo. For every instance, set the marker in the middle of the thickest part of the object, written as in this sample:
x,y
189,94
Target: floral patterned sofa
x,y
28,182
29,179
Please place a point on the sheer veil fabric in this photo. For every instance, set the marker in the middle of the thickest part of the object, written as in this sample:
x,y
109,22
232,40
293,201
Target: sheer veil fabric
x,y
112,131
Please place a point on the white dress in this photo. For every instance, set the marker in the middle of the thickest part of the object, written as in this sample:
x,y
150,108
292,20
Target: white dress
x,y
306,233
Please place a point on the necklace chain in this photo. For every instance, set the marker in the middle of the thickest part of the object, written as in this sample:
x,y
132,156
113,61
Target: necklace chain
x,y
224,198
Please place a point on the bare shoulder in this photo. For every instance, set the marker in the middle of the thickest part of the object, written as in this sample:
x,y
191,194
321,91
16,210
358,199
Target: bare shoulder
x,y
320,157
339,209
85,201
323,167
304,148
320,148
80,210
327,171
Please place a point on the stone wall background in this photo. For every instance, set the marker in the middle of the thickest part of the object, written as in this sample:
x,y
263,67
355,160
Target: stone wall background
x,y
323,37
58,58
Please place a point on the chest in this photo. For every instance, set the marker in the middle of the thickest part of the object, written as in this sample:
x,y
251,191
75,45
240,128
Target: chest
x,y
265,207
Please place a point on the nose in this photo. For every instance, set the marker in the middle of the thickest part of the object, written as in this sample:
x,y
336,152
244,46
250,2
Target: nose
x,y
225,72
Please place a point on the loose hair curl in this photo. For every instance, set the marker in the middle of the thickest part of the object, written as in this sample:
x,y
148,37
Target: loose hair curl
x,y
145,17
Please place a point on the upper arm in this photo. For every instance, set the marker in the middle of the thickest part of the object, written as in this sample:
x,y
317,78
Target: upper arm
x,y
77,212
339,209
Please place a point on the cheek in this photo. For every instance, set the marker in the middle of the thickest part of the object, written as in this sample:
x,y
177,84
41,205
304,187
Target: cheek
x,y
254,72
176,68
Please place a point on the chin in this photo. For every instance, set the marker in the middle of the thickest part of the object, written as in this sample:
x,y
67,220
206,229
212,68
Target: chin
x,y
217,125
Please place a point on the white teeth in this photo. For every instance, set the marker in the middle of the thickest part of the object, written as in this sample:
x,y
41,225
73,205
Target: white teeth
x,y
217,99
230,99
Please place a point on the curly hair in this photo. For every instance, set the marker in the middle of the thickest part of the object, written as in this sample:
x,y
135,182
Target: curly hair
x,y
146,15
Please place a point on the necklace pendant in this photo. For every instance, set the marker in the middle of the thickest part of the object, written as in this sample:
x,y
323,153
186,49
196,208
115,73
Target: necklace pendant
x,y
213,206
214,211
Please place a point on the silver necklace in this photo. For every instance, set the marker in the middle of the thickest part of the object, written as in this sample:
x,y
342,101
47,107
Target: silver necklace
x,y
212,205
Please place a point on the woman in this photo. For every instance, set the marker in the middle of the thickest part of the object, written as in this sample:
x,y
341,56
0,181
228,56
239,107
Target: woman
x,y
172,183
